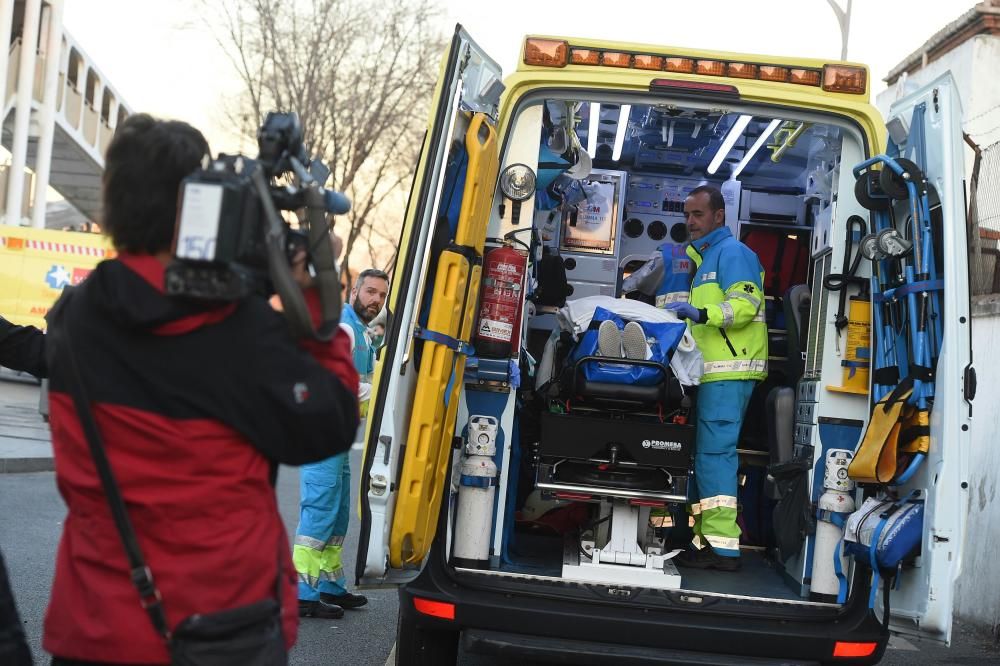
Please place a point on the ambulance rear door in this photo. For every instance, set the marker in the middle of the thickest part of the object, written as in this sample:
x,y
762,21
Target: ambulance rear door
x,y
408,436
922,604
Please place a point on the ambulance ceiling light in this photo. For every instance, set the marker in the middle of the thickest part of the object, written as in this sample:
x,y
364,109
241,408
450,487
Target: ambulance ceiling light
x,y
623,115
727,144
756,146
595,118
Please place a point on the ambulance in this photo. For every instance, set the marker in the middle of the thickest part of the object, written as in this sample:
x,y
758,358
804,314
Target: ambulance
x,y
527,495
36,264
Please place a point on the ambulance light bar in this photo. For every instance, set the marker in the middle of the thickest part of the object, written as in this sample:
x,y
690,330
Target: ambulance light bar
x,y
560,53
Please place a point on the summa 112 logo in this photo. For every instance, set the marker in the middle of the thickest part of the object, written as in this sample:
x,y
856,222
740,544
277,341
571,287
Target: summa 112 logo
x,y
660,445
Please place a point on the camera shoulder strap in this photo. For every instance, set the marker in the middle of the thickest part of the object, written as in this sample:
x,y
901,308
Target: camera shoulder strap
x,y
142,577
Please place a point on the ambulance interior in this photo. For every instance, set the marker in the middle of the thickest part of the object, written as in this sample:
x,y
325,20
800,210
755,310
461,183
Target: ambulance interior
x,y
593,476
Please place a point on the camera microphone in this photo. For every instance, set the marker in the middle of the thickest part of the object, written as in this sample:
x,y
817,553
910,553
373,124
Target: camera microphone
x,y
336,203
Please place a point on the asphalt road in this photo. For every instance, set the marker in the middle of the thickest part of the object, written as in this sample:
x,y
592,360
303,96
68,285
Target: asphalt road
x,y
31,514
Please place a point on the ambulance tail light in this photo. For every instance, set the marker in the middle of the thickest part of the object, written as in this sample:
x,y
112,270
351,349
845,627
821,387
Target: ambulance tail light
x,y
849,650
545,52
694,88
440,609
845,79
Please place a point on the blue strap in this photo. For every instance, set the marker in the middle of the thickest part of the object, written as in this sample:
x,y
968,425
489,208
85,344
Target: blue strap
x,y
876,536
839,570
873,557
837,518
454,344
478,481
921,285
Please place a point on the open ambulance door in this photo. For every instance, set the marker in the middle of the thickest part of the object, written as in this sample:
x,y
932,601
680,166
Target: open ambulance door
x,y
434,295
922,604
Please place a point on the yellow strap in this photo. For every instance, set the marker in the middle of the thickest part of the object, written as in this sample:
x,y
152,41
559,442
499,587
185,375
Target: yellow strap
x,y
917,419
875,460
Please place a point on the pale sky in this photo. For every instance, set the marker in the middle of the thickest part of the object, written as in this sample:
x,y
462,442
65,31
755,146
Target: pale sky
x,y
162,60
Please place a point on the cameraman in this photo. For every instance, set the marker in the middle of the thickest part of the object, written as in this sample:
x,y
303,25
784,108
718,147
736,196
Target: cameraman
x,y
197,403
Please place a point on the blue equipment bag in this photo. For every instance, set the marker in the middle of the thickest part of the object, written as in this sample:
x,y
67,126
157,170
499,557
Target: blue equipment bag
x,y
662,338
884,532
881,534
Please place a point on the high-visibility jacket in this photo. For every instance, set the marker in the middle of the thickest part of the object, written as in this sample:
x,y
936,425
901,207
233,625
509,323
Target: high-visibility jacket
x,y
728,285
364,352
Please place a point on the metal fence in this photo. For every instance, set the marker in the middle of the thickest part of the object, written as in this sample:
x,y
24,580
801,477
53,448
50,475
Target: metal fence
x,y
984,220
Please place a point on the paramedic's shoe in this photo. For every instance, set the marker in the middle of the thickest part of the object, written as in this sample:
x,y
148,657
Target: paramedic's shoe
x,y
320,609
346,600
609,340
706,558
634,342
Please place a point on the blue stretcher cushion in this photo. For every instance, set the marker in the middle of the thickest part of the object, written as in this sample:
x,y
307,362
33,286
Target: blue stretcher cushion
x,y
662,337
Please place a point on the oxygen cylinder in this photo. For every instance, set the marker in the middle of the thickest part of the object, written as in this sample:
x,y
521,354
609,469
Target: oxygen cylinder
x,y
476,491
499,328
833,508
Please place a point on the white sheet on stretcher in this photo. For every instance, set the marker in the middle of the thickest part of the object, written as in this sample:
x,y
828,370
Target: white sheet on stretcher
x,y
686,362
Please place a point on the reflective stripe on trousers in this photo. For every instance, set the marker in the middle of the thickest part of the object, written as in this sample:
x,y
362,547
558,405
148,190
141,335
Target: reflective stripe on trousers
x,y
324,509
721,407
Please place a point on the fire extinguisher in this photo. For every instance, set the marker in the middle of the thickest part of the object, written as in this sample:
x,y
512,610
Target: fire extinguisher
x,y
499,327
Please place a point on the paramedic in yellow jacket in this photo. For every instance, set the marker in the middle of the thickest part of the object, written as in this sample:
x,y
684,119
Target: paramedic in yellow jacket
x,y
725,312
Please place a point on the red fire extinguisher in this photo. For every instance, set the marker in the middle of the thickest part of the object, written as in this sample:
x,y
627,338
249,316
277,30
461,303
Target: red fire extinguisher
x,y
501,300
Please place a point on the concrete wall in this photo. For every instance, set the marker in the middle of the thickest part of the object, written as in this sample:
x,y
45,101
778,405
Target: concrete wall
x,y
973,65
977,592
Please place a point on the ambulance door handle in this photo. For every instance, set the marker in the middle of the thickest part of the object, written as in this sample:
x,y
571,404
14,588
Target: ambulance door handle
x,y
970,383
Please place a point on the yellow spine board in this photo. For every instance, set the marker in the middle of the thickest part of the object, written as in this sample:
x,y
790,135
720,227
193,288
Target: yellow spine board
x,y
452,312
424,456
428,528
477,197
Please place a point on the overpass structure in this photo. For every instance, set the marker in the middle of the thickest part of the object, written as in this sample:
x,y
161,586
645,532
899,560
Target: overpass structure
x,y
58,114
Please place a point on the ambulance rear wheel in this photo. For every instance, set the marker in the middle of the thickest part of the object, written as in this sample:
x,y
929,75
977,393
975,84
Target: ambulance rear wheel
x,y
417,646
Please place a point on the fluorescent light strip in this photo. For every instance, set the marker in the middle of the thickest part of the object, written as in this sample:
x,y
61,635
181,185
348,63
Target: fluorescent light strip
x,y
761,140
595,119
620,134
727,145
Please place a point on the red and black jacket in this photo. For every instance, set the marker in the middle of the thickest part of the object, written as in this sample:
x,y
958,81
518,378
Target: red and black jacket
x,y
195,404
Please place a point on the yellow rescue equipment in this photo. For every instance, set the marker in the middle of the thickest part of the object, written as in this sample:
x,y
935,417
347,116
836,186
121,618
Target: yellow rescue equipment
x,y
451,316
895,428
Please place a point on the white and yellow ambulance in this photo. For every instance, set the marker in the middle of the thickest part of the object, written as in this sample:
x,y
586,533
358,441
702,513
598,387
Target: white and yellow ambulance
x,y
527,507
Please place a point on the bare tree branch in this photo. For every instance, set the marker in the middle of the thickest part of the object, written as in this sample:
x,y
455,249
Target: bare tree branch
x,y
360,75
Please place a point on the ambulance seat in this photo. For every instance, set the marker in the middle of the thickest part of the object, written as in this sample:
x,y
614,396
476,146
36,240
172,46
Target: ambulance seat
x,y
796,305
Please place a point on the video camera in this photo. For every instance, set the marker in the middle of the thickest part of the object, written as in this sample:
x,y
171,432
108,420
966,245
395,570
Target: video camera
x,y
230,240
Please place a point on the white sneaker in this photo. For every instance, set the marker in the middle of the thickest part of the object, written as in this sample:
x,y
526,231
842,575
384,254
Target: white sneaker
x,y
609,340
634,342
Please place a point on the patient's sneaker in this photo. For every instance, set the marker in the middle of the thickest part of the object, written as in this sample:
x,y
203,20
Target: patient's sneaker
x,y
609,340
634,342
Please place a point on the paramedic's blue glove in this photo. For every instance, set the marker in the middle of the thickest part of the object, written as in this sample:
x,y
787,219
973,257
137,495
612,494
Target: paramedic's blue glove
x,y
688,311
